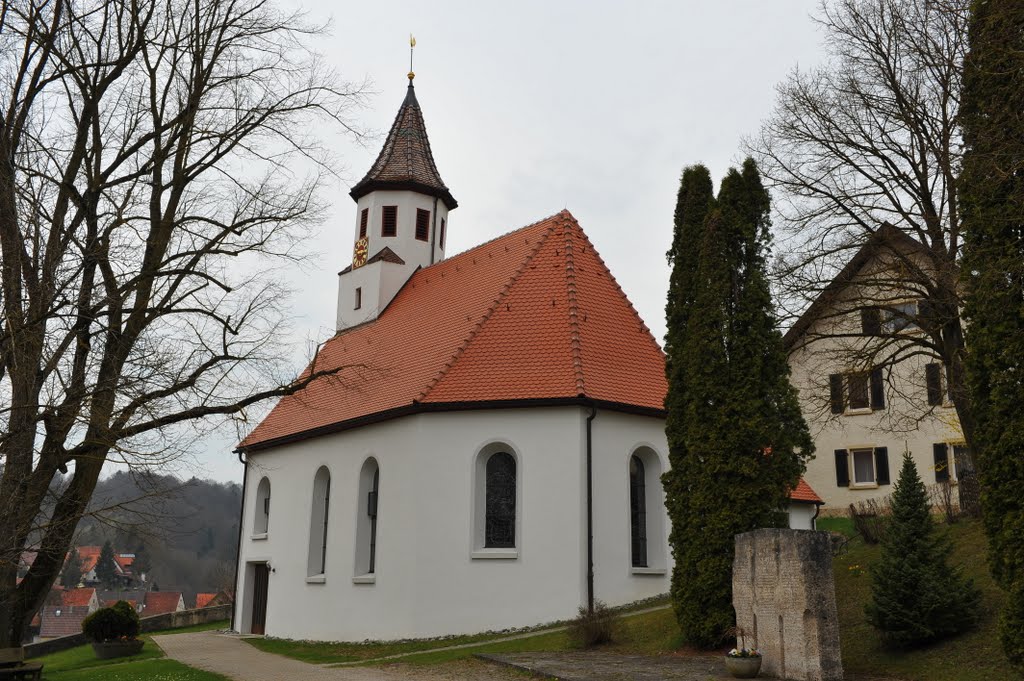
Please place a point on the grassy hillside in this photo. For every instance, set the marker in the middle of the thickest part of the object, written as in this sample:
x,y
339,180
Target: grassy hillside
x,y
975,655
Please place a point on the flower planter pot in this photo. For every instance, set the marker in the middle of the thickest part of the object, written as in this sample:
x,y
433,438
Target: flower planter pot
x,y
11,656
743,667
109,649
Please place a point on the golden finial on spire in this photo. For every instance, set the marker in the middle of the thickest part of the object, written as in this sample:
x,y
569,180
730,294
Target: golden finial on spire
x,y
412,45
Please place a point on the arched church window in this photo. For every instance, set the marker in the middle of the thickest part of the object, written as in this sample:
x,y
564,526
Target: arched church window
x,y
262,519
317,559
366,522
638,511
500,501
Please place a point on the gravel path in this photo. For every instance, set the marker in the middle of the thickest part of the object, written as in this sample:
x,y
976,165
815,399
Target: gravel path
x,y
227,654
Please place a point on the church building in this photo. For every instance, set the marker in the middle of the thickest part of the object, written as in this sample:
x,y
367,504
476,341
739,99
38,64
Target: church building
x,y
489,454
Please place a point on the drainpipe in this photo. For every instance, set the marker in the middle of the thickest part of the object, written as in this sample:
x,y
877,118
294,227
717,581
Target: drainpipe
x,y
814,518
433,233
241,519
590,509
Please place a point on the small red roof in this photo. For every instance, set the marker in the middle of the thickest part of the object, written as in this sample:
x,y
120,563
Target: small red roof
x,y
78,597
89,555
113,601
532,315
202,600
159,602
60,620
803,492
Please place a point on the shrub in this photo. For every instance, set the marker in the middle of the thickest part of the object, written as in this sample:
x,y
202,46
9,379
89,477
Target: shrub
x,y
916,596
117,622
869,518
591,629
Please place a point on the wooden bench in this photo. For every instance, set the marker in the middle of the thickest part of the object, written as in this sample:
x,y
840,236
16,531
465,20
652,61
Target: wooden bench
x,y
24,672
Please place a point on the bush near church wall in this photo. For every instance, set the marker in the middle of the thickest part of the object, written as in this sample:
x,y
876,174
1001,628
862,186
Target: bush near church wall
x,y
169,620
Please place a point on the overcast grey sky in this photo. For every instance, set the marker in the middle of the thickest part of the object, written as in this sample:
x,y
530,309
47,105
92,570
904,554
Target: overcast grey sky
x,y
534,106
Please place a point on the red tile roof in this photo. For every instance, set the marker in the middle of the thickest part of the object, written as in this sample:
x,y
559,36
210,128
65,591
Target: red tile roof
x,y
77,597
532,315
159,602
89,555
803,492
202,600
60,620
113,601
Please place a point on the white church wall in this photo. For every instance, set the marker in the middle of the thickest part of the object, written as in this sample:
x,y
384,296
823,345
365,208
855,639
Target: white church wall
x,y
427,582
616,436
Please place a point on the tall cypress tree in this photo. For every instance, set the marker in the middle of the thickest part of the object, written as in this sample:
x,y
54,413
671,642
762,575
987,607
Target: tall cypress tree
x,y
737,440
992,205
916,597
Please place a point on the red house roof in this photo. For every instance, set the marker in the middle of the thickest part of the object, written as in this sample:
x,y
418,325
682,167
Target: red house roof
x,y
78,597
529,317
202,600
159,602
60,620
803,492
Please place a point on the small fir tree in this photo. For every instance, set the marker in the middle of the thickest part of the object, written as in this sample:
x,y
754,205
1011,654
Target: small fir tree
x,y
71,575
106,572
992,205
916,597
737,440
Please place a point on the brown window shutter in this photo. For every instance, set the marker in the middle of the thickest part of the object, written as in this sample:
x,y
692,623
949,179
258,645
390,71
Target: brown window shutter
x,y
871,321
389,221
364,220
835,389
933,381
941,458
877,389
882,465
842,468
442,232
422,224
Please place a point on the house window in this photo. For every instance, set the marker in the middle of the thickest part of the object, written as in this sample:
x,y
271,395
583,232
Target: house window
x,y
937,385
359,297
871,321
262,520
316,564
364,220
389,220
500,502
637,512
422,224
900,317
442,232
862,467
366,522
857,391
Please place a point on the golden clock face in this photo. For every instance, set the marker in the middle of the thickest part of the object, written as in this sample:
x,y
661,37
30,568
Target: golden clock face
x,y
359,255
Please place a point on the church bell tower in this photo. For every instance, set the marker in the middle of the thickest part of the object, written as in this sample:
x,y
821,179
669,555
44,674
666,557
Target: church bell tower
x,y
402,208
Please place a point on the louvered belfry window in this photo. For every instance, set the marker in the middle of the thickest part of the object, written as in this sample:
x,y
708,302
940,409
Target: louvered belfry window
x,y
422,224
638,511
500,502
389,221
364,220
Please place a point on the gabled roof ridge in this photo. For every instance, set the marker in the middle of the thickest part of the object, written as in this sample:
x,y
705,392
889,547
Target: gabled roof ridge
x,y
568,222
618,288
491,242
490,311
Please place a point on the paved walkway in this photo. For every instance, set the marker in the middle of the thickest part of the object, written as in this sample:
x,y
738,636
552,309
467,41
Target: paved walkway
x,y
598,666
232,657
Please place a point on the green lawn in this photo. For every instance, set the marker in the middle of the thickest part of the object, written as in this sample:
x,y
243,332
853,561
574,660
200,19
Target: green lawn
x,y
80,664
973,656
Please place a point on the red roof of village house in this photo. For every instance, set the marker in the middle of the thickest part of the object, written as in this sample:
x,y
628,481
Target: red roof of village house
x,y
88,555
77,597
59,620
803,492
202,600
532,315
159,602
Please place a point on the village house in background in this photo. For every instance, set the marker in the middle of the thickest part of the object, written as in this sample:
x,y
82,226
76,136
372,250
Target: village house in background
x,y
496,408
864,412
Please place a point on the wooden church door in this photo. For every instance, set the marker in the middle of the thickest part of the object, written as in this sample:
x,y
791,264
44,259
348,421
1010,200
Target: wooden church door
x,y
260,582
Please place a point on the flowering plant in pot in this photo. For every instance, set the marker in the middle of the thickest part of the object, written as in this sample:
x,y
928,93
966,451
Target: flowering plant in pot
x,y
742,662
114,631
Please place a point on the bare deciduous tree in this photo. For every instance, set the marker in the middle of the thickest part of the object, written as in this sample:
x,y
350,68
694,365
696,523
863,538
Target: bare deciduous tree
x,y
148,170
871,139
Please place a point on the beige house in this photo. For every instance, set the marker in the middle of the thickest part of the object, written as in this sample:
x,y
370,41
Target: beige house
x,y
867,390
